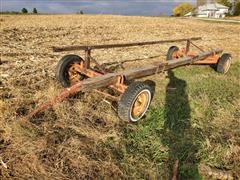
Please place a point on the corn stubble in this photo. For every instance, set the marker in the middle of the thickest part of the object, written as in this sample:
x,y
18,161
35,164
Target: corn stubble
x,y
66,141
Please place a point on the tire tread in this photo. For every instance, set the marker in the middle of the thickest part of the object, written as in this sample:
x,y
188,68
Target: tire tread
x,y
220,65
127,98
170,52
62,65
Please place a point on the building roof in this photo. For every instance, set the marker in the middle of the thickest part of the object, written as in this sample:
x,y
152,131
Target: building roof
x,y
212,6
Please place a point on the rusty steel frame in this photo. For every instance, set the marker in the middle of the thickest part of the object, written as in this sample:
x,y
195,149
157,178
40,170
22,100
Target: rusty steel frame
x,y
183,52
117,81
89,48
207,61
107,46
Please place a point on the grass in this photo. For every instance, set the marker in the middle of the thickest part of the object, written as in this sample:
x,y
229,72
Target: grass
x,y
186,123
223,21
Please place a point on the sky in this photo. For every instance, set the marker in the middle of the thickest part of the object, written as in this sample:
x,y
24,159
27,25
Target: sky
x,y
119,7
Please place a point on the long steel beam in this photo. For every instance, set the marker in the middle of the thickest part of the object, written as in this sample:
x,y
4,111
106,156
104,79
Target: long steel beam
x,y
111,78
107,46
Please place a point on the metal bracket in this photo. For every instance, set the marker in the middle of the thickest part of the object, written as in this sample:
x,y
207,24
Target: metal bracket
x,y
120,86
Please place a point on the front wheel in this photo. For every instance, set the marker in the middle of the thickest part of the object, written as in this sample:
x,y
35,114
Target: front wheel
x,y
135,101
172,53
65,72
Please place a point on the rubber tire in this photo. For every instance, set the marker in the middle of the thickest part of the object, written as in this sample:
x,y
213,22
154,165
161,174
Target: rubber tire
x,y
128,98
63,66
170,52
222,61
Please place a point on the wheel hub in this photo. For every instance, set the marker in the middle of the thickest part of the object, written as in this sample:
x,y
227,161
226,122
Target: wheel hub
x,y
73,75
140,104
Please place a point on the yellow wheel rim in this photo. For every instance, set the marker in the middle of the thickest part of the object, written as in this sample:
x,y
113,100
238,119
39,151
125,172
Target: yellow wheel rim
x,y
140,104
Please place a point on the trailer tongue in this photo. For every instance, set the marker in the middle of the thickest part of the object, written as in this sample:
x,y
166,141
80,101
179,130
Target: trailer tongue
x,y
76,75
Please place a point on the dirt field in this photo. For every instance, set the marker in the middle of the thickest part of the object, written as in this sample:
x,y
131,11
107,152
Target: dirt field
x,y
76,140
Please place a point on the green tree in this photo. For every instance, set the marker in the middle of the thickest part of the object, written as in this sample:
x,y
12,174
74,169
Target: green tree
x,y
81,12
35,11
24,11
236,10
224,2
182,9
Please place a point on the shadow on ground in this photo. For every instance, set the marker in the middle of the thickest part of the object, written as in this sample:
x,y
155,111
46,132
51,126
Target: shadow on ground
x,y
178,134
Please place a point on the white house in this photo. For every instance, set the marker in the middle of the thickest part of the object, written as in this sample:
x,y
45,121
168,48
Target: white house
x,y
210,10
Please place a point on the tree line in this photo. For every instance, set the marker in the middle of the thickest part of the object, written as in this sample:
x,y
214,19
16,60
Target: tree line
x,y
25,11
34,11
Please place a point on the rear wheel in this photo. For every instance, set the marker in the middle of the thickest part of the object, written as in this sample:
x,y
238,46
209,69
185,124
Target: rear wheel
x,y
65,72
135,101
172,53
224,63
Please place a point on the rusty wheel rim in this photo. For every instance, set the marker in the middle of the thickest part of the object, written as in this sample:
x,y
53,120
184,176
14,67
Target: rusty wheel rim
x,y
140,104
175,55
73,75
